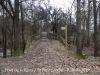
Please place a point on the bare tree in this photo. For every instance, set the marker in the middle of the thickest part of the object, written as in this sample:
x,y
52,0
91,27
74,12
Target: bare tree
x,y
4,32
16,27
78,37
22,28
88,24
99,18
15,17
84,24
96,45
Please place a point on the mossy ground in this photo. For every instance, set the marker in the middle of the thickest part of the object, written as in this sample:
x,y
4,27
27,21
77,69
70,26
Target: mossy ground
x,y
16,53
80,55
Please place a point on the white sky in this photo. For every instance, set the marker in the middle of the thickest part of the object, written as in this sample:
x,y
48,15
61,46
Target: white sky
x,y
64,4
61,3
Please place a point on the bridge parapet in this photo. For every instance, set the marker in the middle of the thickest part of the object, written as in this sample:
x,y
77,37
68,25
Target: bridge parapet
x,y
56,37
29,40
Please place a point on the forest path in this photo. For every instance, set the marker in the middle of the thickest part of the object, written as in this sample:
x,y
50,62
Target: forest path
x,y
47,57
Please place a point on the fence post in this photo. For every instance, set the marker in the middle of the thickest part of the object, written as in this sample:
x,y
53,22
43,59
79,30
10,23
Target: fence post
x,y
66,35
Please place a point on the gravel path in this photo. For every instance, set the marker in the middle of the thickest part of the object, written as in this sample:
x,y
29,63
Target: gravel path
x,y
48,57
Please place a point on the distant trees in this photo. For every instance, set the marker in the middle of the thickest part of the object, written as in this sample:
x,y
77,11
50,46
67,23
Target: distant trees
x,y
56,17
84,25
23,13
14,19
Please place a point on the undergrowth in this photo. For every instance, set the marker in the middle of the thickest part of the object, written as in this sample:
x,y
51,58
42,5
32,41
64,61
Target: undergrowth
x,y
16,53
80,55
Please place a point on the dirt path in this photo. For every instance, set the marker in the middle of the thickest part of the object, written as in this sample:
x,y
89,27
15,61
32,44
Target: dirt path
x,y
47,57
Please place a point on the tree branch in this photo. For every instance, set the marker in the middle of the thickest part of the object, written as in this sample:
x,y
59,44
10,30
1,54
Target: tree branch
x,y
11,6
4,7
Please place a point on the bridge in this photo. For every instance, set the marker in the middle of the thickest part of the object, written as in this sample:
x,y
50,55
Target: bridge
x,y
42,38
47,56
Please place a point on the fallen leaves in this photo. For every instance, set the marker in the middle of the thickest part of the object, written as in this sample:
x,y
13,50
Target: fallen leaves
x,y
49,58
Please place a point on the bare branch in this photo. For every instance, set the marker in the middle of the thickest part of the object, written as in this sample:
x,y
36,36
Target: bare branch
x,y
11,6
4,7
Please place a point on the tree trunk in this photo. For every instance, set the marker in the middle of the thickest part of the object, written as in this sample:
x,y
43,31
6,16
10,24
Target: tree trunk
x,y
78,39
83,33
96,45
99,19
4,34
22,24
16,27
69,40
74,38
88,25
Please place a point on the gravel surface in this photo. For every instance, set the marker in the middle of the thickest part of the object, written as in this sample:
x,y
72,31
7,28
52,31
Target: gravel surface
x,y
48,57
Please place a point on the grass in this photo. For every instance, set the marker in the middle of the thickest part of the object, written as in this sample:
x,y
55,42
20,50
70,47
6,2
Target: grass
x,y
97,59
16,53
28,42
80,55
93,58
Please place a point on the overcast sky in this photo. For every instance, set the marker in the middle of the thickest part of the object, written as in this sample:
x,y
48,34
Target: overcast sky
x,y
64,4
61,3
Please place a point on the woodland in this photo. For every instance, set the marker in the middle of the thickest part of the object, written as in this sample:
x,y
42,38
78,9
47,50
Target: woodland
x,y
20,19
24,50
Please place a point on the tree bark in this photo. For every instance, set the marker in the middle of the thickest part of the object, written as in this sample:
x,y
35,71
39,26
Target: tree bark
x,y
4,36
78,37
99,18
88,25
69,40
16,27
96,45
22,24
83,32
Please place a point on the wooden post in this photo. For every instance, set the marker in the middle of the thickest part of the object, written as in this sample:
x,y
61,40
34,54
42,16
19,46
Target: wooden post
x,y
66,35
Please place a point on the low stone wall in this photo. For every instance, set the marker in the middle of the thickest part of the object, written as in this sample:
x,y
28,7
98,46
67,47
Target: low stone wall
x,y
57,37
29,39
